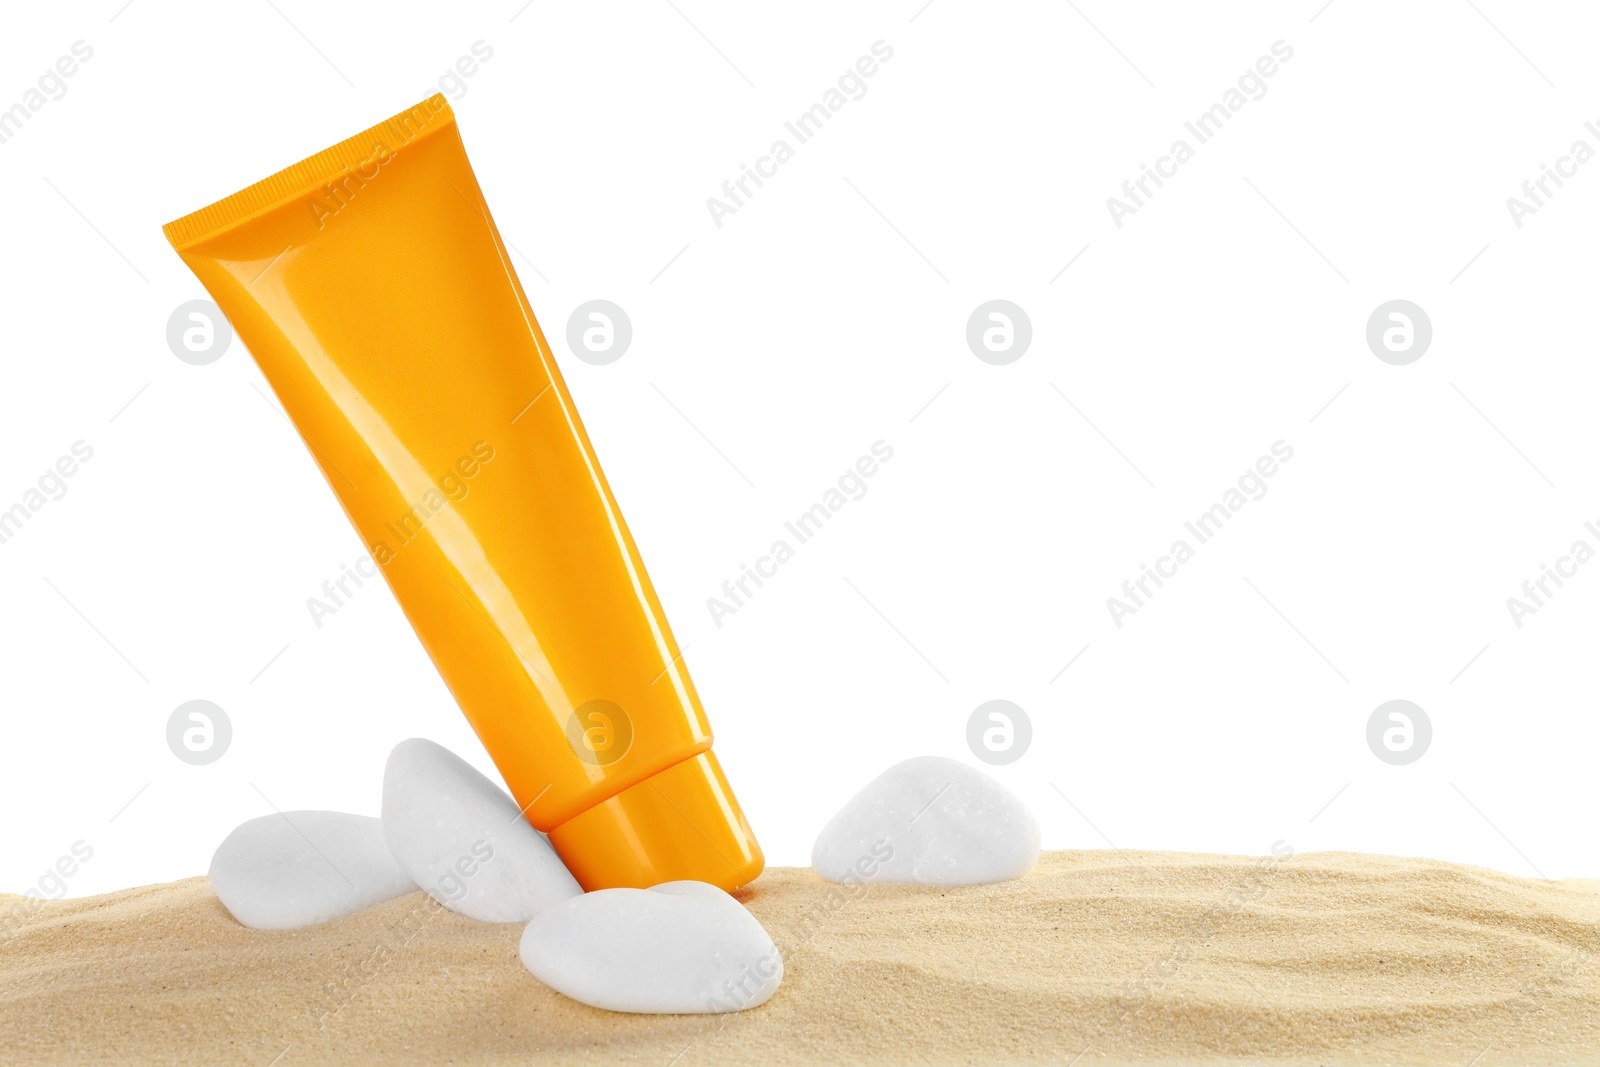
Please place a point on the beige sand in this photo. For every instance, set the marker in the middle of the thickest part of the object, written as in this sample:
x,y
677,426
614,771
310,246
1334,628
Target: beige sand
x,y
1135,957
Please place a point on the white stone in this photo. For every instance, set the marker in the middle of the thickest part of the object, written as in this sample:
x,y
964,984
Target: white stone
x,y
464,840
929,820
681,947
300,868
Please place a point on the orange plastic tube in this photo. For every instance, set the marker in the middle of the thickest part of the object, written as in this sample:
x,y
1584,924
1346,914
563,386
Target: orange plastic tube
x,y
373,290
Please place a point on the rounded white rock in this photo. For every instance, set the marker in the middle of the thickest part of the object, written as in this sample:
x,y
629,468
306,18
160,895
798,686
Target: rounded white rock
x,y
300,868
464,840
679,948
932,821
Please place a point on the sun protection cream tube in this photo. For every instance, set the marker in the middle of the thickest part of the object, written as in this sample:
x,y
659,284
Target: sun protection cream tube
x,y
376,295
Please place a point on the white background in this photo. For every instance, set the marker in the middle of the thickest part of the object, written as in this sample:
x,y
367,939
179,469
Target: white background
x,y
822,317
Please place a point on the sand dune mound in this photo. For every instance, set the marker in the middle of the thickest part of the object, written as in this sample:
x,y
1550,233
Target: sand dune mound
x,y
1113,957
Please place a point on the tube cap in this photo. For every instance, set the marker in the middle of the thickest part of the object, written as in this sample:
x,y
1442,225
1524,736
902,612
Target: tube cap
x,y
680,823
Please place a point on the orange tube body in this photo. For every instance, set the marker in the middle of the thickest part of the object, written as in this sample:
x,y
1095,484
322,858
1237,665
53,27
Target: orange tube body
x,y
373,290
